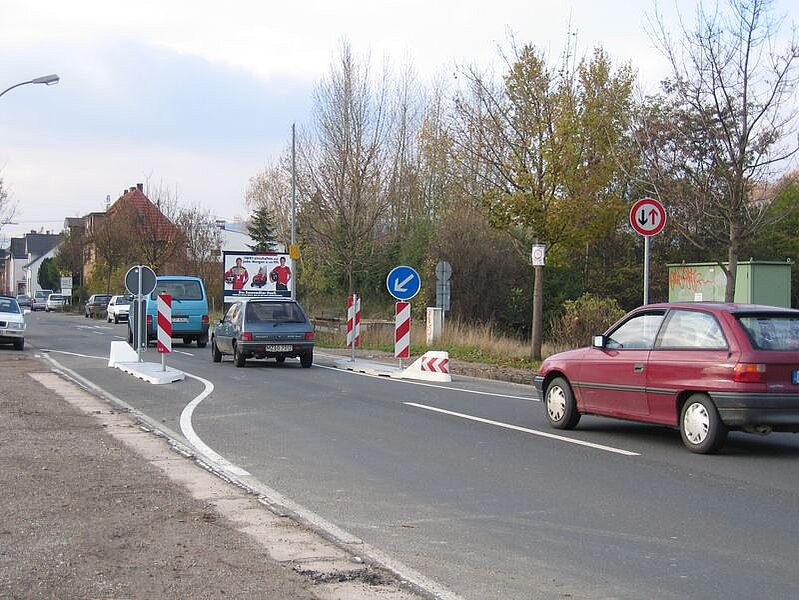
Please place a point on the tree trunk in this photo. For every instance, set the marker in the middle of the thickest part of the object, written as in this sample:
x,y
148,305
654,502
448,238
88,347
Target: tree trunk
x,y
538,311
732,265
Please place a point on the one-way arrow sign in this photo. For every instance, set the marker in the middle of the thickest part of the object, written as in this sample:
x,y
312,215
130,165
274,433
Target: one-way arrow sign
x,y
403,282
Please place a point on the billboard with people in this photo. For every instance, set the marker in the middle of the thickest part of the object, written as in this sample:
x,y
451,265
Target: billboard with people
x,y
249,274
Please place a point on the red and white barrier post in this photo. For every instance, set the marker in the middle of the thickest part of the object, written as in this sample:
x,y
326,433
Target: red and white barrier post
x,y
353,323
402,331
164,327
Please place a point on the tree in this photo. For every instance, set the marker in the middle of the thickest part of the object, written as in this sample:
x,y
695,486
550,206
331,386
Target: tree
x,y
71,256
204,240
547,148
7,207
271,189
262,229
344,167
49,278
728,108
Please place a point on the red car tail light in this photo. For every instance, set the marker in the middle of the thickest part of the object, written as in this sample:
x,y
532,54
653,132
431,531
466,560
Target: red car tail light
x,y
309,336
749,373
246,336
205,320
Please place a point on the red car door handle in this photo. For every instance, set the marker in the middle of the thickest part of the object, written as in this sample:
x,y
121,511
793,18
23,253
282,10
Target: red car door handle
x,y
638,368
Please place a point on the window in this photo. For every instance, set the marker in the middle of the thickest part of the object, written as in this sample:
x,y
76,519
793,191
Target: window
x,y
636,333
179,290
772,331
692,329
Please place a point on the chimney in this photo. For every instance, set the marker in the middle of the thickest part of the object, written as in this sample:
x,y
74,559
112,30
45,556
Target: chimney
x,y
140,186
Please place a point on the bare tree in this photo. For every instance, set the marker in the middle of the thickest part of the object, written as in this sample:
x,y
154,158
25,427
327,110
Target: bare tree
x,y
344,166
730,106
7,206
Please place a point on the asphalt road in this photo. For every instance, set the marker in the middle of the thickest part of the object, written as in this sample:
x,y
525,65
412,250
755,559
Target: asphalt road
x,y
466,483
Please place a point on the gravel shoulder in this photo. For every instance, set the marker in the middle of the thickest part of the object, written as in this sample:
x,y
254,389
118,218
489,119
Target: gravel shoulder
x,y
93,506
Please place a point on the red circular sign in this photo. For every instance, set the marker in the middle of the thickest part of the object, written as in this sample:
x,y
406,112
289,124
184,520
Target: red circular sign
x,y
648,217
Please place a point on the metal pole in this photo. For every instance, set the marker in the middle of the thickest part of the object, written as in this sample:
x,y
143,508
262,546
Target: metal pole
x,y
354,323
293,204
646,269
139,300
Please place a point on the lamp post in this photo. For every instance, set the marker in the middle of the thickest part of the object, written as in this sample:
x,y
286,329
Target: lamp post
x,y
46,80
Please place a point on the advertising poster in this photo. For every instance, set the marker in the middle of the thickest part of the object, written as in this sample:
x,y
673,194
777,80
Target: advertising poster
x,y
249,274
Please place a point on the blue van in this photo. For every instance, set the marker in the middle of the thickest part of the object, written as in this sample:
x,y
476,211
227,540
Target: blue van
x,y
189,309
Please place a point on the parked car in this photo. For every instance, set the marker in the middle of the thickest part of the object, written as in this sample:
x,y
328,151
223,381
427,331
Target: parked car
x,y
189,309
118,308
96,305
39,301
54,302
702,368
24,301
12,323
264,328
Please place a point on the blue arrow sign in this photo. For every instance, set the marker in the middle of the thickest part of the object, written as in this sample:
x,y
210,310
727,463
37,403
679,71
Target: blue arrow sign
x,y
403,282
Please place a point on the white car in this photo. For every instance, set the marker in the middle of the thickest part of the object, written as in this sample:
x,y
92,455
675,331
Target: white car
x,y
12,323
54,302
118,309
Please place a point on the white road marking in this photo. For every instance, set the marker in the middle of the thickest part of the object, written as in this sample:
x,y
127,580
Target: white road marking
x,y
525,430
433,385
188,429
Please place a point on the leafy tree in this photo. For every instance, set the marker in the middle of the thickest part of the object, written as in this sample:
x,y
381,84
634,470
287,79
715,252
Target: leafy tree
x,y
728,109
549,146
49,277
262,229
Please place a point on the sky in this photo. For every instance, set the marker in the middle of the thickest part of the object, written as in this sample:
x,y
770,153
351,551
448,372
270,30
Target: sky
x,y
197,96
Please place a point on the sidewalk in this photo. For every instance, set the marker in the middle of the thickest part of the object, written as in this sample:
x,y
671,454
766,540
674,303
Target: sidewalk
x,y
93,506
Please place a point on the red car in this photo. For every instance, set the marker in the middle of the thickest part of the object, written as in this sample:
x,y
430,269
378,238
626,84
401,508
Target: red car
x,y
702,368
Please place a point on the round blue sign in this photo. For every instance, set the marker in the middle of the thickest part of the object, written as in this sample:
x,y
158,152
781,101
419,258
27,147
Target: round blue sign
x,y
403,282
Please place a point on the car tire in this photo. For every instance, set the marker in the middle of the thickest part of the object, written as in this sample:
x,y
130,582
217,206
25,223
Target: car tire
x,y
202,342
559,404
701,428
280,359
187,340
306,360
216,355
19,344
116,319
238,357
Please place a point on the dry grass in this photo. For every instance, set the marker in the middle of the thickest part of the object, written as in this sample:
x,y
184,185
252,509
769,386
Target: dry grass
x,y
475,343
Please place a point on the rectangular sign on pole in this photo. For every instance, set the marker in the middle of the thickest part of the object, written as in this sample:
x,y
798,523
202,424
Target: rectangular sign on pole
x,y
402,330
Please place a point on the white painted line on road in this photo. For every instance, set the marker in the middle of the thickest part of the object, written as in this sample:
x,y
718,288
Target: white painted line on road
x,y
525,430
432,385
73,354
182,352
188,429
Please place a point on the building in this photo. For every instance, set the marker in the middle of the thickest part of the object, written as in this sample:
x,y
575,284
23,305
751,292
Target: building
x,y
22,261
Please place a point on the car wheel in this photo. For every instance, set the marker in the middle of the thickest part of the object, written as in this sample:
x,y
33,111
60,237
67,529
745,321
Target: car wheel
x,y
561,409
19,344
85,314
216,355
116,320
306,360
280,359
238,357
202,342
187,340
700,425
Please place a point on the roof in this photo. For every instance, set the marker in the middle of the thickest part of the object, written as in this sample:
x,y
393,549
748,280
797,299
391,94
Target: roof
x,y
39,244
151,221
18,248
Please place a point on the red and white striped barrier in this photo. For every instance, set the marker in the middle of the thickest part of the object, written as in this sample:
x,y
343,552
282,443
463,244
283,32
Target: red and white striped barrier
x,y
402,330
353,320
431,366
164,323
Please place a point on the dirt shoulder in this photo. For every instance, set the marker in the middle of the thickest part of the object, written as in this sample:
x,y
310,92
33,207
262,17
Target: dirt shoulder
x,y
95,507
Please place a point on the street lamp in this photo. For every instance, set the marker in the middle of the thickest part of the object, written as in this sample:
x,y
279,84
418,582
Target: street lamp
x,y
46,80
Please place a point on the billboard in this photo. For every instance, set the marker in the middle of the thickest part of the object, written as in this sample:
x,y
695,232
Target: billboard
x,y
253,274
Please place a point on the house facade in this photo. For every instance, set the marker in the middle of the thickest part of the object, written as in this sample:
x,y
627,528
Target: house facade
x,y
23,259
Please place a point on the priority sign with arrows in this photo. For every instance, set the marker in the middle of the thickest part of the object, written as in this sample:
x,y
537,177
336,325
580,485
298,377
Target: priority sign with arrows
x,y
648,217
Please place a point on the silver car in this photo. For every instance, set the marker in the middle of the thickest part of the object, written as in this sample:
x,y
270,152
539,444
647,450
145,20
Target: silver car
x,y
54,302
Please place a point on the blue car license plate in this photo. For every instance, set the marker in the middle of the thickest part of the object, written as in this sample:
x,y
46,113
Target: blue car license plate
x,y
795,377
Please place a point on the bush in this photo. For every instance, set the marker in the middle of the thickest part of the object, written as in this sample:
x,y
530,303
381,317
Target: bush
x,y
583,318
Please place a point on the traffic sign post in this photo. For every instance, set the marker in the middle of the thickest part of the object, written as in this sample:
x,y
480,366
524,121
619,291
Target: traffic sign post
x,y
139,281
402,331
647,218
164,327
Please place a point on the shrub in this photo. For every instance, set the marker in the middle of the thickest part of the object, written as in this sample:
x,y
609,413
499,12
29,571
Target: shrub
x,y
583,318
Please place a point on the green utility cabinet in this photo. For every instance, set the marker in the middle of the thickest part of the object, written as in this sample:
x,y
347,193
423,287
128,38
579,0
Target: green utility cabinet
x,y
757,282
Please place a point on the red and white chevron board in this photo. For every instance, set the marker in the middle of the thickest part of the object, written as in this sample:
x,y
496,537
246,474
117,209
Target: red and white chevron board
x,y
435,365
402,330
353,320
164,323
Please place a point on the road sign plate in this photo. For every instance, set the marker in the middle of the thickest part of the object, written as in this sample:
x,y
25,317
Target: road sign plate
x,y
403,282
147,280
648,217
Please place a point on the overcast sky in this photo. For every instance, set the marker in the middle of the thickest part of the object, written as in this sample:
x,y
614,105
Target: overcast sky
x,y
199,96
